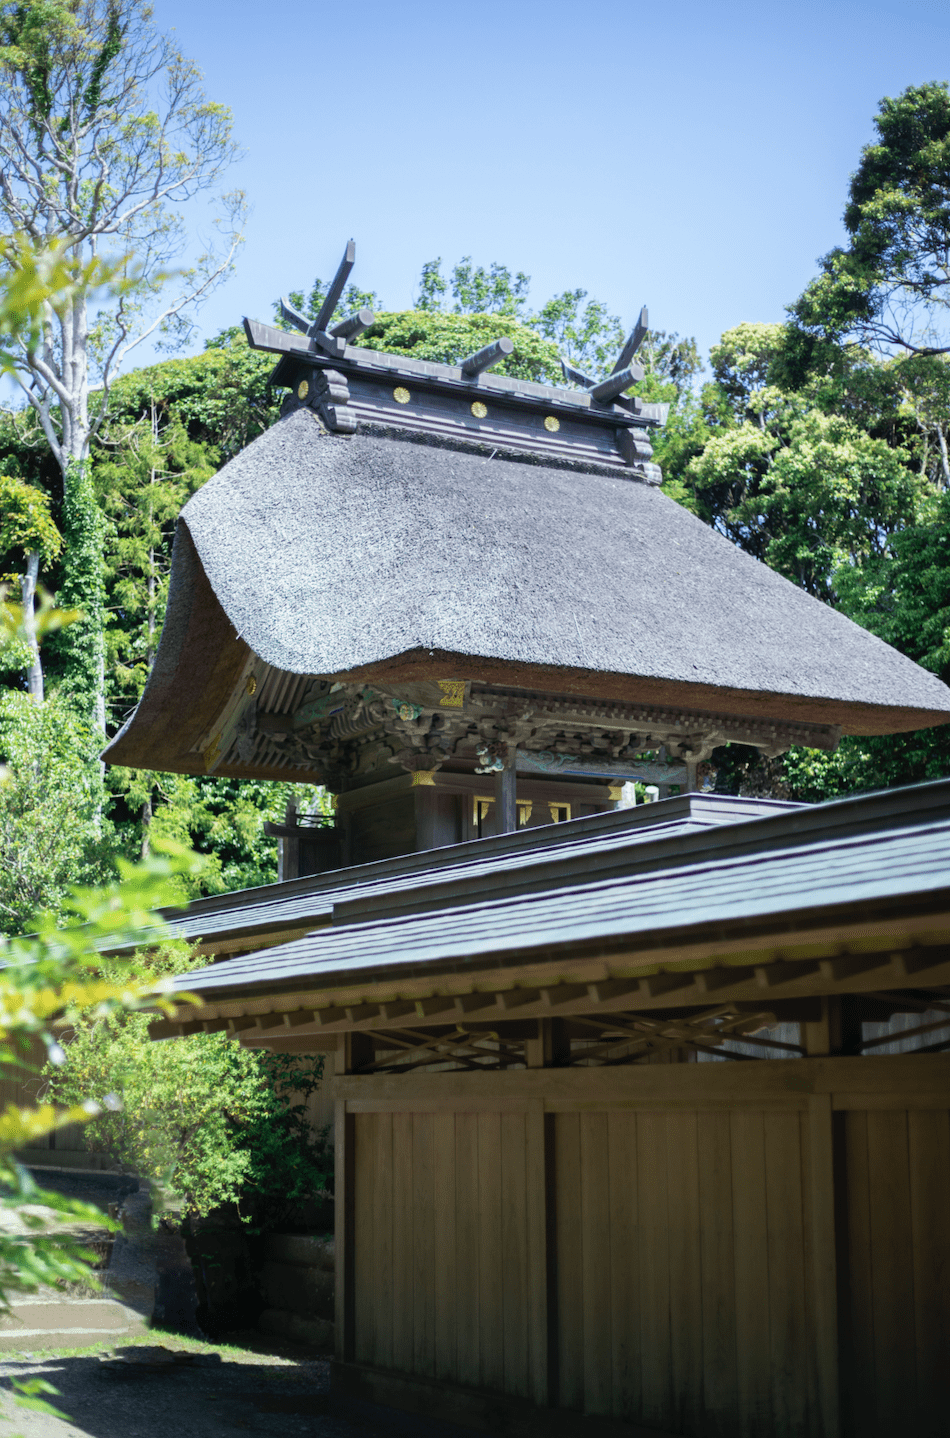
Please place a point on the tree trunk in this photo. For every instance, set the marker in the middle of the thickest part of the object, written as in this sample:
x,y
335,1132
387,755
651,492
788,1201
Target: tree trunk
x,y
146,828
34,673
81,645
944,462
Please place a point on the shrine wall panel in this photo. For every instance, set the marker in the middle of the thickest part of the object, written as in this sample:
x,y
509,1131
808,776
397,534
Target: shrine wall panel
x,y
755,1250
441,1285
895,1361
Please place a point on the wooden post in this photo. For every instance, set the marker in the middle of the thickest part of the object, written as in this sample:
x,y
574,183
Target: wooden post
x,y
820,1036
550,1048
425,804
506,800
824,1260
542,1258
344,1244
355,1052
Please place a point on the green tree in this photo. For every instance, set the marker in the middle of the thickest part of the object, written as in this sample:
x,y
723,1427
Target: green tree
x,y
890,285
202,1118
52,835
449,337
43,978
27,529
93,165
790,478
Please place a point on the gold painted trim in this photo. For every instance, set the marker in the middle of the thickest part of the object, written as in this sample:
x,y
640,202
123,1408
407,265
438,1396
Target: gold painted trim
x,y
453,693
421,777
212,753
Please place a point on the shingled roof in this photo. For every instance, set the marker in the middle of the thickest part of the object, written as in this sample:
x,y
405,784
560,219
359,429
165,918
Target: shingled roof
x,y
396,552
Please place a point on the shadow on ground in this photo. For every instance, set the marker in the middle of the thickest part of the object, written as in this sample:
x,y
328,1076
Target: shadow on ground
x,y
162,1389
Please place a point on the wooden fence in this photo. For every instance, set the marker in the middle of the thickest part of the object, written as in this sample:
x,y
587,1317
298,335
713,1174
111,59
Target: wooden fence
x,y
745,1249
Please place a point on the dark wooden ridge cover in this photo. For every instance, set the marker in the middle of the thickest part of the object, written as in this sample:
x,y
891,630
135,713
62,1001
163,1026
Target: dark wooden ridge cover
x,y
407,521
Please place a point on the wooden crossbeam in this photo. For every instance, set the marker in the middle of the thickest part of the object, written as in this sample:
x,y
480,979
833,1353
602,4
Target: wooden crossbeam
x,y
705,1031
337,285
633,341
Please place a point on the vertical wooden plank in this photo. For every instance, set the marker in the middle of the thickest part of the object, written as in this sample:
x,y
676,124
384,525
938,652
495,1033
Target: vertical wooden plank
x,y
653,1203
624,1265
686,1291
595,1260
403,1342
752,1274
343,1231
446,1297
570,1294
717,1263
514,1252
929,1135
539,1133
466,1249
423,1245
490,1273
785,1222
858,1378
824,1264
364,1239
892,1270
383,1230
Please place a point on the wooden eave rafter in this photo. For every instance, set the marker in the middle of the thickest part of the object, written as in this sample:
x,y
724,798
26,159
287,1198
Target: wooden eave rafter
x,y
858,958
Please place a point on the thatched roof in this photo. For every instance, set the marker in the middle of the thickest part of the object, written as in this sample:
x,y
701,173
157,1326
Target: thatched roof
x,y
339,556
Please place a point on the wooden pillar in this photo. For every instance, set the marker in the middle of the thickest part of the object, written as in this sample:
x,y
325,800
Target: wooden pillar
x,y
355,1051
344,1244
506,800
551,1047
426,816
837,1031
824,1260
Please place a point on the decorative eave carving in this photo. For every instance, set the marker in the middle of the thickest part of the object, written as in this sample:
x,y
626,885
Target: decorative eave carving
x,y
344,732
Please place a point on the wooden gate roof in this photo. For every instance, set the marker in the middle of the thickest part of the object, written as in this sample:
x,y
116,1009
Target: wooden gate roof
x,y
850,895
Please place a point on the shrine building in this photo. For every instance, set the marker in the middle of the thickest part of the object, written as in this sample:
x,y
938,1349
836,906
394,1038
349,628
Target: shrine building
x,y
641,1114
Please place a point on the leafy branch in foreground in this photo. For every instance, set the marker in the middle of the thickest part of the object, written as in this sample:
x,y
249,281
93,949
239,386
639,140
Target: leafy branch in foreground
x,y
44,978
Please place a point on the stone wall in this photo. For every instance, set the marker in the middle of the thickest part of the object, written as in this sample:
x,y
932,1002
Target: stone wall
x,y
297,1282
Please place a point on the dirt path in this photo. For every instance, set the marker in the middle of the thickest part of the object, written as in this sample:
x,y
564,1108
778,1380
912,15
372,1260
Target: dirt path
x,y
184,1389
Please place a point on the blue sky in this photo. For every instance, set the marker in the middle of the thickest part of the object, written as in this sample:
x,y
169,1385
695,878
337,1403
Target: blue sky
x,y
694,157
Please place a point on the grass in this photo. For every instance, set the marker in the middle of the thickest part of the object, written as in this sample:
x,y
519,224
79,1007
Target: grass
x,y
261,1349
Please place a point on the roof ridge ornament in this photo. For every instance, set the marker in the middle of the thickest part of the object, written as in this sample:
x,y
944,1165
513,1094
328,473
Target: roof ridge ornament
x,y
596,426
331,341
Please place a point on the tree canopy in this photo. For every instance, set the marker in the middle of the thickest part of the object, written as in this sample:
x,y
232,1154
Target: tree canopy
x,y
890,285
105,131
